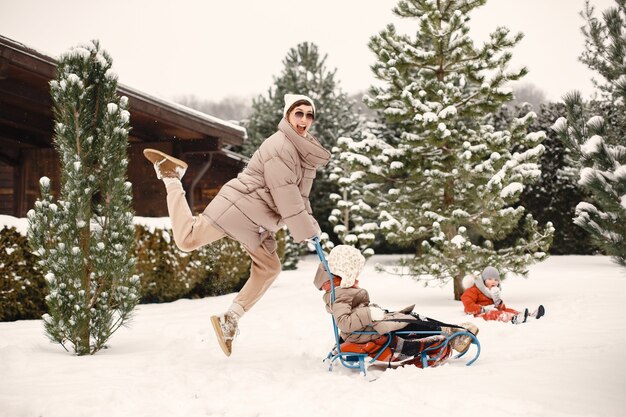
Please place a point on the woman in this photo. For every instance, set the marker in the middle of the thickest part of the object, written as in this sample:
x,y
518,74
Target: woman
x,y
272,191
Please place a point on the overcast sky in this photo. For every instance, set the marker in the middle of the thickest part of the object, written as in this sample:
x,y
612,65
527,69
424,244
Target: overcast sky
x,y
215,49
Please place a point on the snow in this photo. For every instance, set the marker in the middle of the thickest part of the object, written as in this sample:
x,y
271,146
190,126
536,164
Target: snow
x,y
196,113
620,173
20,224
150,223
587,176
458,241
560,125
592,145
595,122
512,189
167,363
448,111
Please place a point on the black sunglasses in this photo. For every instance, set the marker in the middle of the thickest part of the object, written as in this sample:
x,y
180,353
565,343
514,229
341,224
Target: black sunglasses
x,y
299,114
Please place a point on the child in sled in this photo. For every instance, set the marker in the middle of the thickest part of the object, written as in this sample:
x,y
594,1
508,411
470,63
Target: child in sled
x,y
353,312
482,298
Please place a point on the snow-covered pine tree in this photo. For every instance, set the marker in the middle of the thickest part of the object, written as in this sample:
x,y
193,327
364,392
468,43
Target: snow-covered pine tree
x,y
85,240
596,143
602,173
305,72
453,178
354,168
605,48
553,197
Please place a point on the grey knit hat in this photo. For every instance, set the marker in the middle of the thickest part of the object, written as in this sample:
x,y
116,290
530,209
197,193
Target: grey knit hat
x,y
490,273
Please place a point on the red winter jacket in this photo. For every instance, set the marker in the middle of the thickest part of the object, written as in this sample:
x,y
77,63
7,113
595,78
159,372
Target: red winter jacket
x,y
473,301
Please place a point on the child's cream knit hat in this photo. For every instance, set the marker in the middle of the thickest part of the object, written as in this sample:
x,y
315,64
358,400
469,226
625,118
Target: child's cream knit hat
x,y
346,262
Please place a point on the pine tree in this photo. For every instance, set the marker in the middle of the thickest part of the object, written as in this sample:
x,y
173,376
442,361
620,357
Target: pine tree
x,y
85,239
305,72
553,197
596,143
602,174
453,178
605,49
355,168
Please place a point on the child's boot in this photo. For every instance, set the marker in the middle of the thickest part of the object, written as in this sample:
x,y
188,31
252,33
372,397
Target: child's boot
x,y
521,317
166,166
226,328
539,312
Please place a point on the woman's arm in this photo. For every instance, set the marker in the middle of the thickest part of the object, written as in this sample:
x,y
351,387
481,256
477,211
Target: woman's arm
x,y
281,181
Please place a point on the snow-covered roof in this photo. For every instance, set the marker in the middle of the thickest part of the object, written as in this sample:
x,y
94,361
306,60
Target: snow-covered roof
x,y
32,68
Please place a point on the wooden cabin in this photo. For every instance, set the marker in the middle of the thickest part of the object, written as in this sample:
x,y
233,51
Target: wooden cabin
x,y
26,139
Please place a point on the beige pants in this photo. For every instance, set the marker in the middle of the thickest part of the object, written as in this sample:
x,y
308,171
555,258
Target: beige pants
x,y
193,232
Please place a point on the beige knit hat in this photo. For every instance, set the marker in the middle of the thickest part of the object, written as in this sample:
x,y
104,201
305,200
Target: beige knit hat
x,y
346,262
292,98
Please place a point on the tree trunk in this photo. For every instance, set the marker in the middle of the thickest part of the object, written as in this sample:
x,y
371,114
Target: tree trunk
x,y
85,330
458,286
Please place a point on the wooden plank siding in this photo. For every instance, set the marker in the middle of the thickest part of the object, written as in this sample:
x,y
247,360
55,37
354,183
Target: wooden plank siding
x,y
7,188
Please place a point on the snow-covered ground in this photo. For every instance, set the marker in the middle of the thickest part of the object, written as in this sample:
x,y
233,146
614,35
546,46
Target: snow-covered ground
x,y
569,363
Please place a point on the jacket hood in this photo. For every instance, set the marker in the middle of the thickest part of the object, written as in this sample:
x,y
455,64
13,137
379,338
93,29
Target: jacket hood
x,y
480,284
310,150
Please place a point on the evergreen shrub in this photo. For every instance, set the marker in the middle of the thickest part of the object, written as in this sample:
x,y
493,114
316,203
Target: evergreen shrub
x,y
166,273
22,286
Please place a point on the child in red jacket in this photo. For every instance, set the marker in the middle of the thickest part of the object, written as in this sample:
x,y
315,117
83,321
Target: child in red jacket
x,y
483,299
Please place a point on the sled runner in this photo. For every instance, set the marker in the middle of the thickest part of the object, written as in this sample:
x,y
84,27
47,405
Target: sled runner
x,y
434,346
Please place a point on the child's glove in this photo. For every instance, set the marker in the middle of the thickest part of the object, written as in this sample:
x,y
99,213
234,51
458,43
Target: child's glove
x,y
495,295
376,313
487,309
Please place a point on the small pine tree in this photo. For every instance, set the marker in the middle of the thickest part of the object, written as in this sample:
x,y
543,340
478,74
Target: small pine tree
x,y
453,179
85,240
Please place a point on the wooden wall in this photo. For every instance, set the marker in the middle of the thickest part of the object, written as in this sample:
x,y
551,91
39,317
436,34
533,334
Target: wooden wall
x,y
36,163
7,185
19,186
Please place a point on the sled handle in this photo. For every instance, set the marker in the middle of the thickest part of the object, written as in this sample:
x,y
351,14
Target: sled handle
x,y
320,254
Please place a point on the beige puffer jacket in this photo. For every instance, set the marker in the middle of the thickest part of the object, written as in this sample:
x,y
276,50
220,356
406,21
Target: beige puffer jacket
x,y
273,190
352,314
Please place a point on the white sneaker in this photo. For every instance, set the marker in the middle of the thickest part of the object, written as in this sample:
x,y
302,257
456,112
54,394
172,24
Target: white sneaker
x,y
226,329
